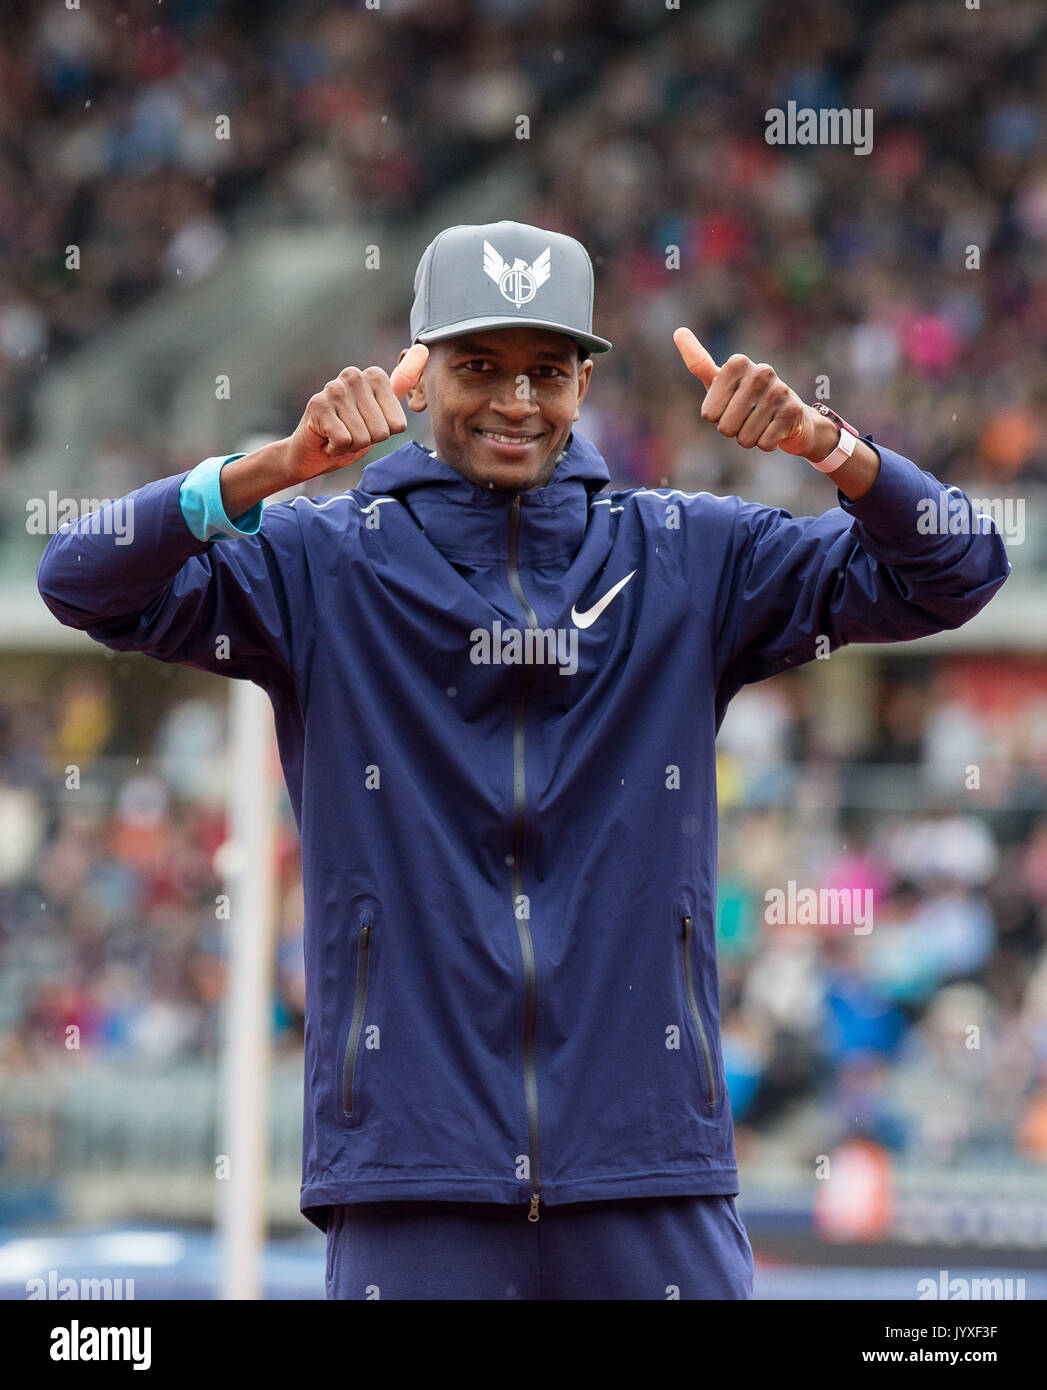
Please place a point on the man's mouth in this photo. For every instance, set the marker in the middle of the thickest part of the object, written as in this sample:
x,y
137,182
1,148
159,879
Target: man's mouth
x,y
508,443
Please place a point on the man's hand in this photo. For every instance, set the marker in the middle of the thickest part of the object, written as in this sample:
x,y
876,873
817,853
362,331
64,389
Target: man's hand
x,y
748,402
355,411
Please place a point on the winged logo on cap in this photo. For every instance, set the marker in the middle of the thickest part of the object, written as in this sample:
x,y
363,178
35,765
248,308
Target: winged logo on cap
x,y
519,282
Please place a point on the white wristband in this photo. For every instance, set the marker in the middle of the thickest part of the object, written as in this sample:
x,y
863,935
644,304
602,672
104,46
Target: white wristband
x,y
840,455
844,446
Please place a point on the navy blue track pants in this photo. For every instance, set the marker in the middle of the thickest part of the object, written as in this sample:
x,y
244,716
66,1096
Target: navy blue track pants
x,y
633,1248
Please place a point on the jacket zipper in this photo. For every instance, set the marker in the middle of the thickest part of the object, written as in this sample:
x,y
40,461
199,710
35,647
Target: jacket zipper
x,y
692,1004
523,925
359,1000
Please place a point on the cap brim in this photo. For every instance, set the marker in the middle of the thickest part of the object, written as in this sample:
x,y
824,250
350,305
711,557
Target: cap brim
x,y
454,330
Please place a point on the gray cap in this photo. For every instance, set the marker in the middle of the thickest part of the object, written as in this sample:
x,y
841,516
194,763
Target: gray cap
x,y
499,275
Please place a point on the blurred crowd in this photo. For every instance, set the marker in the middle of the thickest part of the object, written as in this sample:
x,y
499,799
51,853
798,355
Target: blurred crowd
x,y
114,901
112,139
851,274
926,1034
905,284
910,1010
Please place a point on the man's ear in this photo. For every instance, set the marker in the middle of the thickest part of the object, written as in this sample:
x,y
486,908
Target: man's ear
x,y
416,396
585,371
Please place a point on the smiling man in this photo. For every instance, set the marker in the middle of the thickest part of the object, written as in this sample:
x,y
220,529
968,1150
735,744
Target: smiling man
x,y
506,400
515,1084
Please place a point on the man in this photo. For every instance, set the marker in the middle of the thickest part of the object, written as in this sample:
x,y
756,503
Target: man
x,y
497,692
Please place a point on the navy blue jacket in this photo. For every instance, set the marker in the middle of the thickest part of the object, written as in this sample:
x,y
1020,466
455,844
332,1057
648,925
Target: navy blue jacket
x,y
509,837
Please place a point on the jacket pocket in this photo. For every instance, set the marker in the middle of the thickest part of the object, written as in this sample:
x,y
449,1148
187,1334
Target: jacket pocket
x,y
350,1066
686,953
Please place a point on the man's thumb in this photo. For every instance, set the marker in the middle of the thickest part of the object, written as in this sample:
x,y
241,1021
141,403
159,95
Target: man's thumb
x,y
698,359
407,371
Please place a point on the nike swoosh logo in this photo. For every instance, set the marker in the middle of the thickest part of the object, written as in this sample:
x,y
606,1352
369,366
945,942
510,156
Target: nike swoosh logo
x,y
587,619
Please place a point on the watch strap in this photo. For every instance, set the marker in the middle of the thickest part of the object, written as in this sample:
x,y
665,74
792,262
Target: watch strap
x,y
845,447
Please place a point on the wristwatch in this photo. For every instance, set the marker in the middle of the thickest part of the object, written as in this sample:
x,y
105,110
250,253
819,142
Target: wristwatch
x,y
844,449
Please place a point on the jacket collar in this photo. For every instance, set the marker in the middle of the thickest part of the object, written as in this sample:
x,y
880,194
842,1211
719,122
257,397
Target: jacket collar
x,y
469,523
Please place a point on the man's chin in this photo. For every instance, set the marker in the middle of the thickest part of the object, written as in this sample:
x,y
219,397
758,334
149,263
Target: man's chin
x,y
509,475
511,478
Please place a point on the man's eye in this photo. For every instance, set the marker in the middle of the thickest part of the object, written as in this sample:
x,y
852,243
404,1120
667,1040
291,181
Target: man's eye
x,y
476,362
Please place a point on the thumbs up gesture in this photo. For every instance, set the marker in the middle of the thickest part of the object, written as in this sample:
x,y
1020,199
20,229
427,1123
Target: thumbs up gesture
x,y
354,411
748,402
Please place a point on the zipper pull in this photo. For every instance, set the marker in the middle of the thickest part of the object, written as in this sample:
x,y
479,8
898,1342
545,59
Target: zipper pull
x,y
532,1215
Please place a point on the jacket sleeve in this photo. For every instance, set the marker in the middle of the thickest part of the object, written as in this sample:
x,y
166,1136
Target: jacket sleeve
x,y
134,577
880,569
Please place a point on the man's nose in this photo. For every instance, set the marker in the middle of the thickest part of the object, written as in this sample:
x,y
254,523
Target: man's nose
x,y
514,397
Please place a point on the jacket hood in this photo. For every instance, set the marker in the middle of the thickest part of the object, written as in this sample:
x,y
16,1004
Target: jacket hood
x,y
467,522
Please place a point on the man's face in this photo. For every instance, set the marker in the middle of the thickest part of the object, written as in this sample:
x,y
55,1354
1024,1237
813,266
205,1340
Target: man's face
x,y
525,383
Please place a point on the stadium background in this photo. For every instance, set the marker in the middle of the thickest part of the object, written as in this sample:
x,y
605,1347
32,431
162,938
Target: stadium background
x,y
203,258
